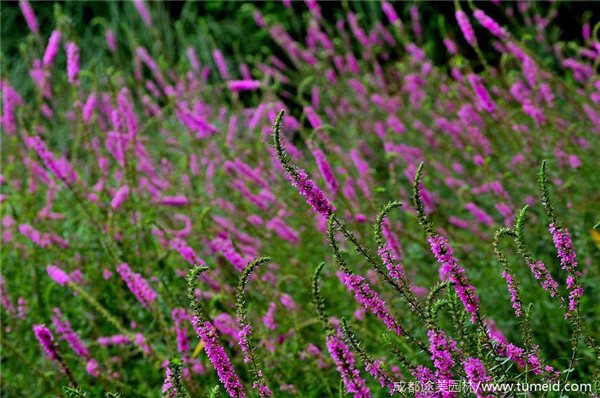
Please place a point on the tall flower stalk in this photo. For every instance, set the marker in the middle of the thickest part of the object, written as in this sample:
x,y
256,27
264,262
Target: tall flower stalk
x,y
566,254
207,333
373,366
245,334
339,351
449,268
46,340
298,177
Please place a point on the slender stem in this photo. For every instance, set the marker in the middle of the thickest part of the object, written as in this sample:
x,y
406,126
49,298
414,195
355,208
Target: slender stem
x,y
374,262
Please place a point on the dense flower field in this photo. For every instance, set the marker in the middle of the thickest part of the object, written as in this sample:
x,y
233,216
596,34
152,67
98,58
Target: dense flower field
x,y
338,214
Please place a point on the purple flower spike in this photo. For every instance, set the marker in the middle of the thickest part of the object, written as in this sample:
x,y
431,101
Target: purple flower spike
x,y
46,341
137,284
390,13
219,359
566,254
512,290
186,252
72,62
370,300
29,16
59,276
180,316
391,263
243,85
66,332
243,342
491,25
450,269
485,100
314,196
541,273
442,347
325,169
476,374
120,196
465,27
52,48
143,11
344,361
47,157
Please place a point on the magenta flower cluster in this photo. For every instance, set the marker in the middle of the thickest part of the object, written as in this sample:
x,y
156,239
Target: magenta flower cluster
x,y
58,275
29,16
180,318
491,25
314,196
63,327
456,274
243,85
72,63
137,284
465,26
485,101
47,157
541,273
512,290
345,363
46,340
52,48
325,168
243,335
566,254
186,252
476,375
370,300
376,370
391,263
219,359
442,348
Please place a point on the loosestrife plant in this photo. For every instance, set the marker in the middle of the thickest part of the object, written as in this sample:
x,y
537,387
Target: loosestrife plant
x,y
147,156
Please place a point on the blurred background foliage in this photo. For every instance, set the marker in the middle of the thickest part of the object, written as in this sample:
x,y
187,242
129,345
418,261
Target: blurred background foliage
x,y
229,25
